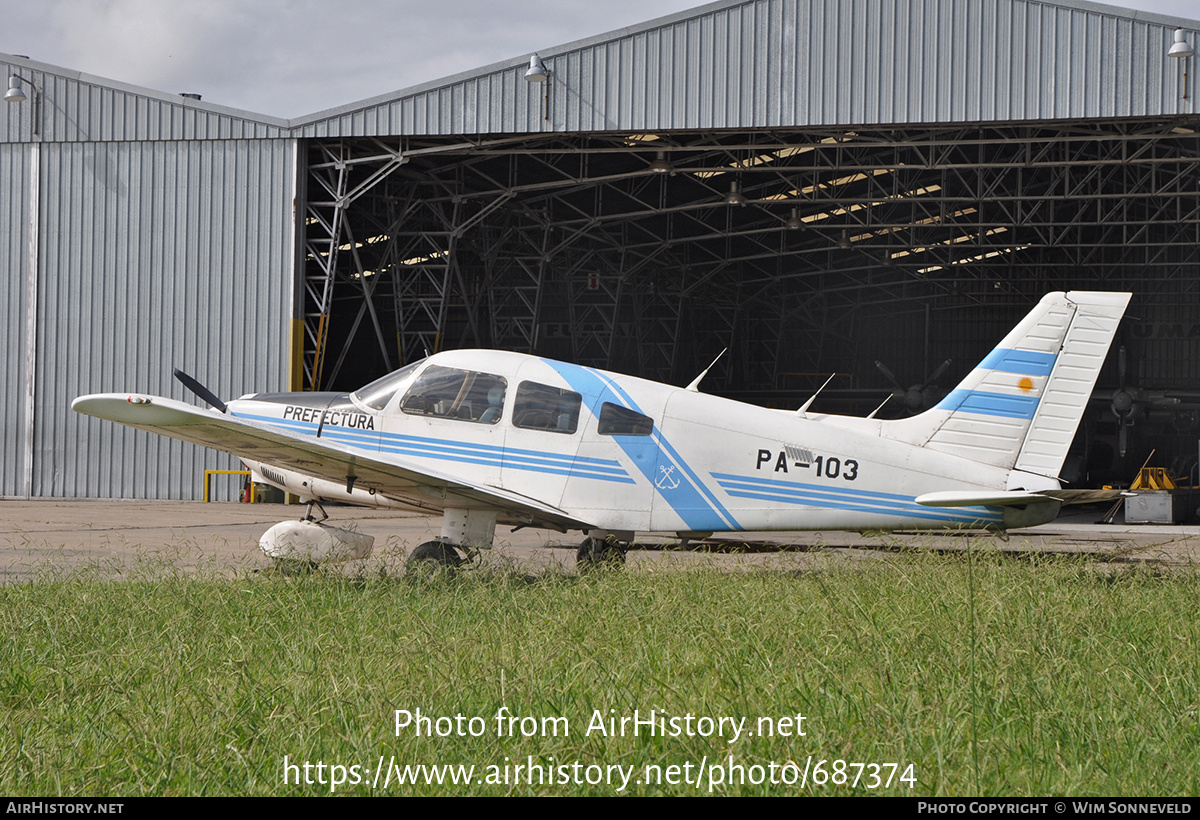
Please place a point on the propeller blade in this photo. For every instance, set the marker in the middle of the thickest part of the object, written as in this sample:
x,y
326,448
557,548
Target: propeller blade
x,y
937,374
887,374
200,390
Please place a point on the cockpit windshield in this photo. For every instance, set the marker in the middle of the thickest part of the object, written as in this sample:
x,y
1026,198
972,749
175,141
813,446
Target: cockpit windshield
x,y
378,393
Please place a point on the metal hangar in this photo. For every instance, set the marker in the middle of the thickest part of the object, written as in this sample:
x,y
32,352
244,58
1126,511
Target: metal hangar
x,y
818,186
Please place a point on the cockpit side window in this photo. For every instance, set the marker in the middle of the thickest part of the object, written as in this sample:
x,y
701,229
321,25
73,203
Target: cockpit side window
x,y
621,421
542,407
378,393
450,393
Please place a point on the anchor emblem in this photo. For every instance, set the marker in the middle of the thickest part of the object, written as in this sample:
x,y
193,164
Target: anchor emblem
x,y
666,481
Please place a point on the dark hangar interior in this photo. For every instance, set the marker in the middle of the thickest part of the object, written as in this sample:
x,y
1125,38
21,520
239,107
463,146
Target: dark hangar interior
x,y
893,257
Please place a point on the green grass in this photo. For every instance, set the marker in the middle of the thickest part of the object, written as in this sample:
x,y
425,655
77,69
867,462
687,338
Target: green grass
x,y
991,676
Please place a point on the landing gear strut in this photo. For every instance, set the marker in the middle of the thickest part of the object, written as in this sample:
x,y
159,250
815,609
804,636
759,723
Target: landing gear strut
x,y
595,553
465,529
308,516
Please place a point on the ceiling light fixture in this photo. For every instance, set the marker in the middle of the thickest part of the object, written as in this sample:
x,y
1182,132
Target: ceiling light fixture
x,y
661,164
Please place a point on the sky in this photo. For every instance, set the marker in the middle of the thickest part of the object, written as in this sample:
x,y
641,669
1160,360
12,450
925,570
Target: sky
x,y
288,58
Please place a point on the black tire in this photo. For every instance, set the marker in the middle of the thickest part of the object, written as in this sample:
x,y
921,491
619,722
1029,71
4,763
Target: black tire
x,y
596,554
435,553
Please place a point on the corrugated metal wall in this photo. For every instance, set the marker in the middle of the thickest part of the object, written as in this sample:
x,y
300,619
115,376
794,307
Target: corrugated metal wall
x,y
811,63
15,162
154,255
164,239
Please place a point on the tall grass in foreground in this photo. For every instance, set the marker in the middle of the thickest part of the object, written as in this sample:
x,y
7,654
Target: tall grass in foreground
x,y
1067,680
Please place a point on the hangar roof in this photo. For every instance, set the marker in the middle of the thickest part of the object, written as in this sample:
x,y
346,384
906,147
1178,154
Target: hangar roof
x,y
733,64
80,107
745,64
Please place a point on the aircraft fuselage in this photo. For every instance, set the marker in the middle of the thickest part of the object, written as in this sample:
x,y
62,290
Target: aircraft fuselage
x,y
626,454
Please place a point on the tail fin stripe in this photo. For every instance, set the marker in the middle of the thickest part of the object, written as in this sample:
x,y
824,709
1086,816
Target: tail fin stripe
x,y
989,404
1024,362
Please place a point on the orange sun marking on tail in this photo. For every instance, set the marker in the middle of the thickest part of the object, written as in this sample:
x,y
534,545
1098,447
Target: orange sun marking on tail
x,y
1026,384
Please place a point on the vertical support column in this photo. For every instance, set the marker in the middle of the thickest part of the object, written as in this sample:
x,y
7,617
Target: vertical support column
x,y
592,307
295,380
514,285
322,237
326,230
420,267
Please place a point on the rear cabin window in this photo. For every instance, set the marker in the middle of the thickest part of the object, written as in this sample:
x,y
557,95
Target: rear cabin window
x,y
621,421
450,393
542,407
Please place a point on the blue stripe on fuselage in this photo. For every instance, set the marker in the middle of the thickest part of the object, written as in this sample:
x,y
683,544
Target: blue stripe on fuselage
x,y
850,500
694,503
713,503
460,452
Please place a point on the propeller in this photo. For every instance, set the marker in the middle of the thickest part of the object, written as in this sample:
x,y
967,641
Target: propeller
x,y
1124,405
208,396
916,397
1130,403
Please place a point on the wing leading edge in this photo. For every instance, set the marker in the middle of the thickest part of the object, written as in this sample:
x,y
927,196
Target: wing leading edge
x,y
308,454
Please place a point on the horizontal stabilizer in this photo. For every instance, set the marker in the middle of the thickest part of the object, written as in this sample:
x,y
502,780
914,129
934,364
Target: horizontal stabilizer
x,y
999,498
1016,498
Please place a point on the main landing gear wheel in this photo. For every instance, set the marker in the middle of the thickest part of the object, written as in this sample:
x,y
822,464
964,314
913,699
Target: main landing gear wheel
x,y
595,553
434,555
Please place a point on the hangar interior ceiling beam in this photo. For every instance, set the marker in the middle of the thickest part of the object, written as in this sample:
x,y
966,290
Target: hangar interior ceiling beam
x,y
622,250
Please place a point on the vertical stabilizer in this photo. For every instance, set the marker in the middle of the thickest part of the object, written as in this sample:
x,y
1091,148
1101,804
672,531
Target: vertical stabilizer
x,y
1021,405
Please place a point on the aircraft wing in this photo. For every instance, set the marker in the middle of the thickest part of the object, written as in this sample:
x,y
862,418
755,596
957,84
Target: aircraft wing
x,y
314,456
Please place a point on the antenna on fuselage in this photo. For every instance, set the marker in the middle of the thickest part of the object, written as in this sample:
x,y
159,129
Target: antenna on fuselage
x,y
871,415
695,385
803,411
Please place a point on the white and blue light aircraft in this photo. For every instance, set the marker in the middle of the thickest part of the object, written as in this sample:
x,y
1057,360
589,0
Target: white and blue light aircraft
x,y
487,437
